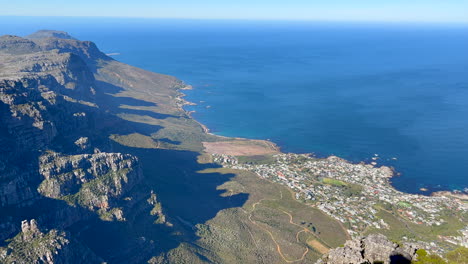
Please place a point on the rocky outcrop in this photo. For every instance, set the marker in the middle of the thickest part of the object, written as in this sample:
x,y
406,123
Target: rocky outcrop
x,y
93,181
157,210
83,143
375,248
32,246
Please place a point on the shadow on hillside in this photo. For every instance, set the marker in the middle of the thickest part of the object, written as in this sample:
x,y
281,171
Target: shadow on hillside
x,y
106,95
143,113
188,197
173,142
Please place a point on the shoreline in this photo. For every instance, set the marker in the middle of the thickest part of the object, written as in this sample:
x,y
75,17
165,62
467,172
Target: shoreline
x,y
183,102
393,172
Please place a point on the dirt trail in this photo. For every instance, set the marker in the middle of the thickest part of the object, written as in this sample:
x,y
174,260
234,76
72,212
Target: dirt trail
x,y
319,247
278,247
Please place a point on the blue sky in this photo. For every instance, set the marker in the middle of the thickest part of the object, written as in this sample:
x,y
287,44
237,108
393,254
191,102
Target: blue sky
x,y
335,10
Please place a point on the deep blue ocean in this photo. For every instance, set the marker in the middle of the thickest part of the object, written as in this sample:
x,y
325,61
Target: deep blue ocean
x,y
348,89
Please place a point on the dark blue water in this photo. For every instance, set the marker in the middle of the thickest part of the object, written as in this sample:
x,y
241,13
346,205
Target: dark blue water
x,y
352,90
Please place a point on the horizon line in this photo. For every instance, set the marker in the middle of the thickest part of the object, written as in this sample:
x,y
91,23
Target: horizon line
x,y
256,19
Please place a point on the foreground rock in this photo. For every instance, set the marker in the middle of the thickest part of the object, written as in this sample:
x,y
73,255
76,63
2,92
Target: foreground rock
x,y
375,248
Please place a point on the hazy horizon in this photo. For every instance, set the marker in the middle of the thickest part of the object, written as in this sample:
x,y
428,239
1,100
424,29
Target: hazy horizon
x,y
428,11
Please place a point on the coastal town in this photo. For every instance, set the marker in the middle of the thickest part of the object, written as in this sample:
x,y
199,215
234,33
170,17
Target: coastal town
x,y
354,194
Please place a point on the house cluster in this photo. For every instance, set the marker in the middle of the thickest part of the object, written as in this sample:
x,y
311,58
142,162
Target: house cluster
x,y
458,240
351,193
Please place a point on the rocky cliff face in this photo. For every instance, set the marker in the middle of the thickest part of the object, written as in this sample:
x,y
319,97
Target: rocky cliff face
x,y
34,246
375,248
49,164
66,74
32,117
93,181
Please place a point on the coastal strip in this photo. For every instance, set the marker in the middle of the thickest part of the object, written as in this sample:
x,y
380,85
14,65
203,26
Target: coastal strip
x,y
358,195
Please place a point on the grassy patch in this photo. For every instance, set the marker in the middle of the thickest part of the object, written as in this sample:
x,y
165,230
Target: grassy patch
x,y
404,204
135,140
333,182
257,160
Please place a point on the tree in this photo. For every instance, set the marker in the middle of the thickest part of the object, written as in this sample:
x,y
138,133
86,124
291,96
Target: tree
x,y
425,258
